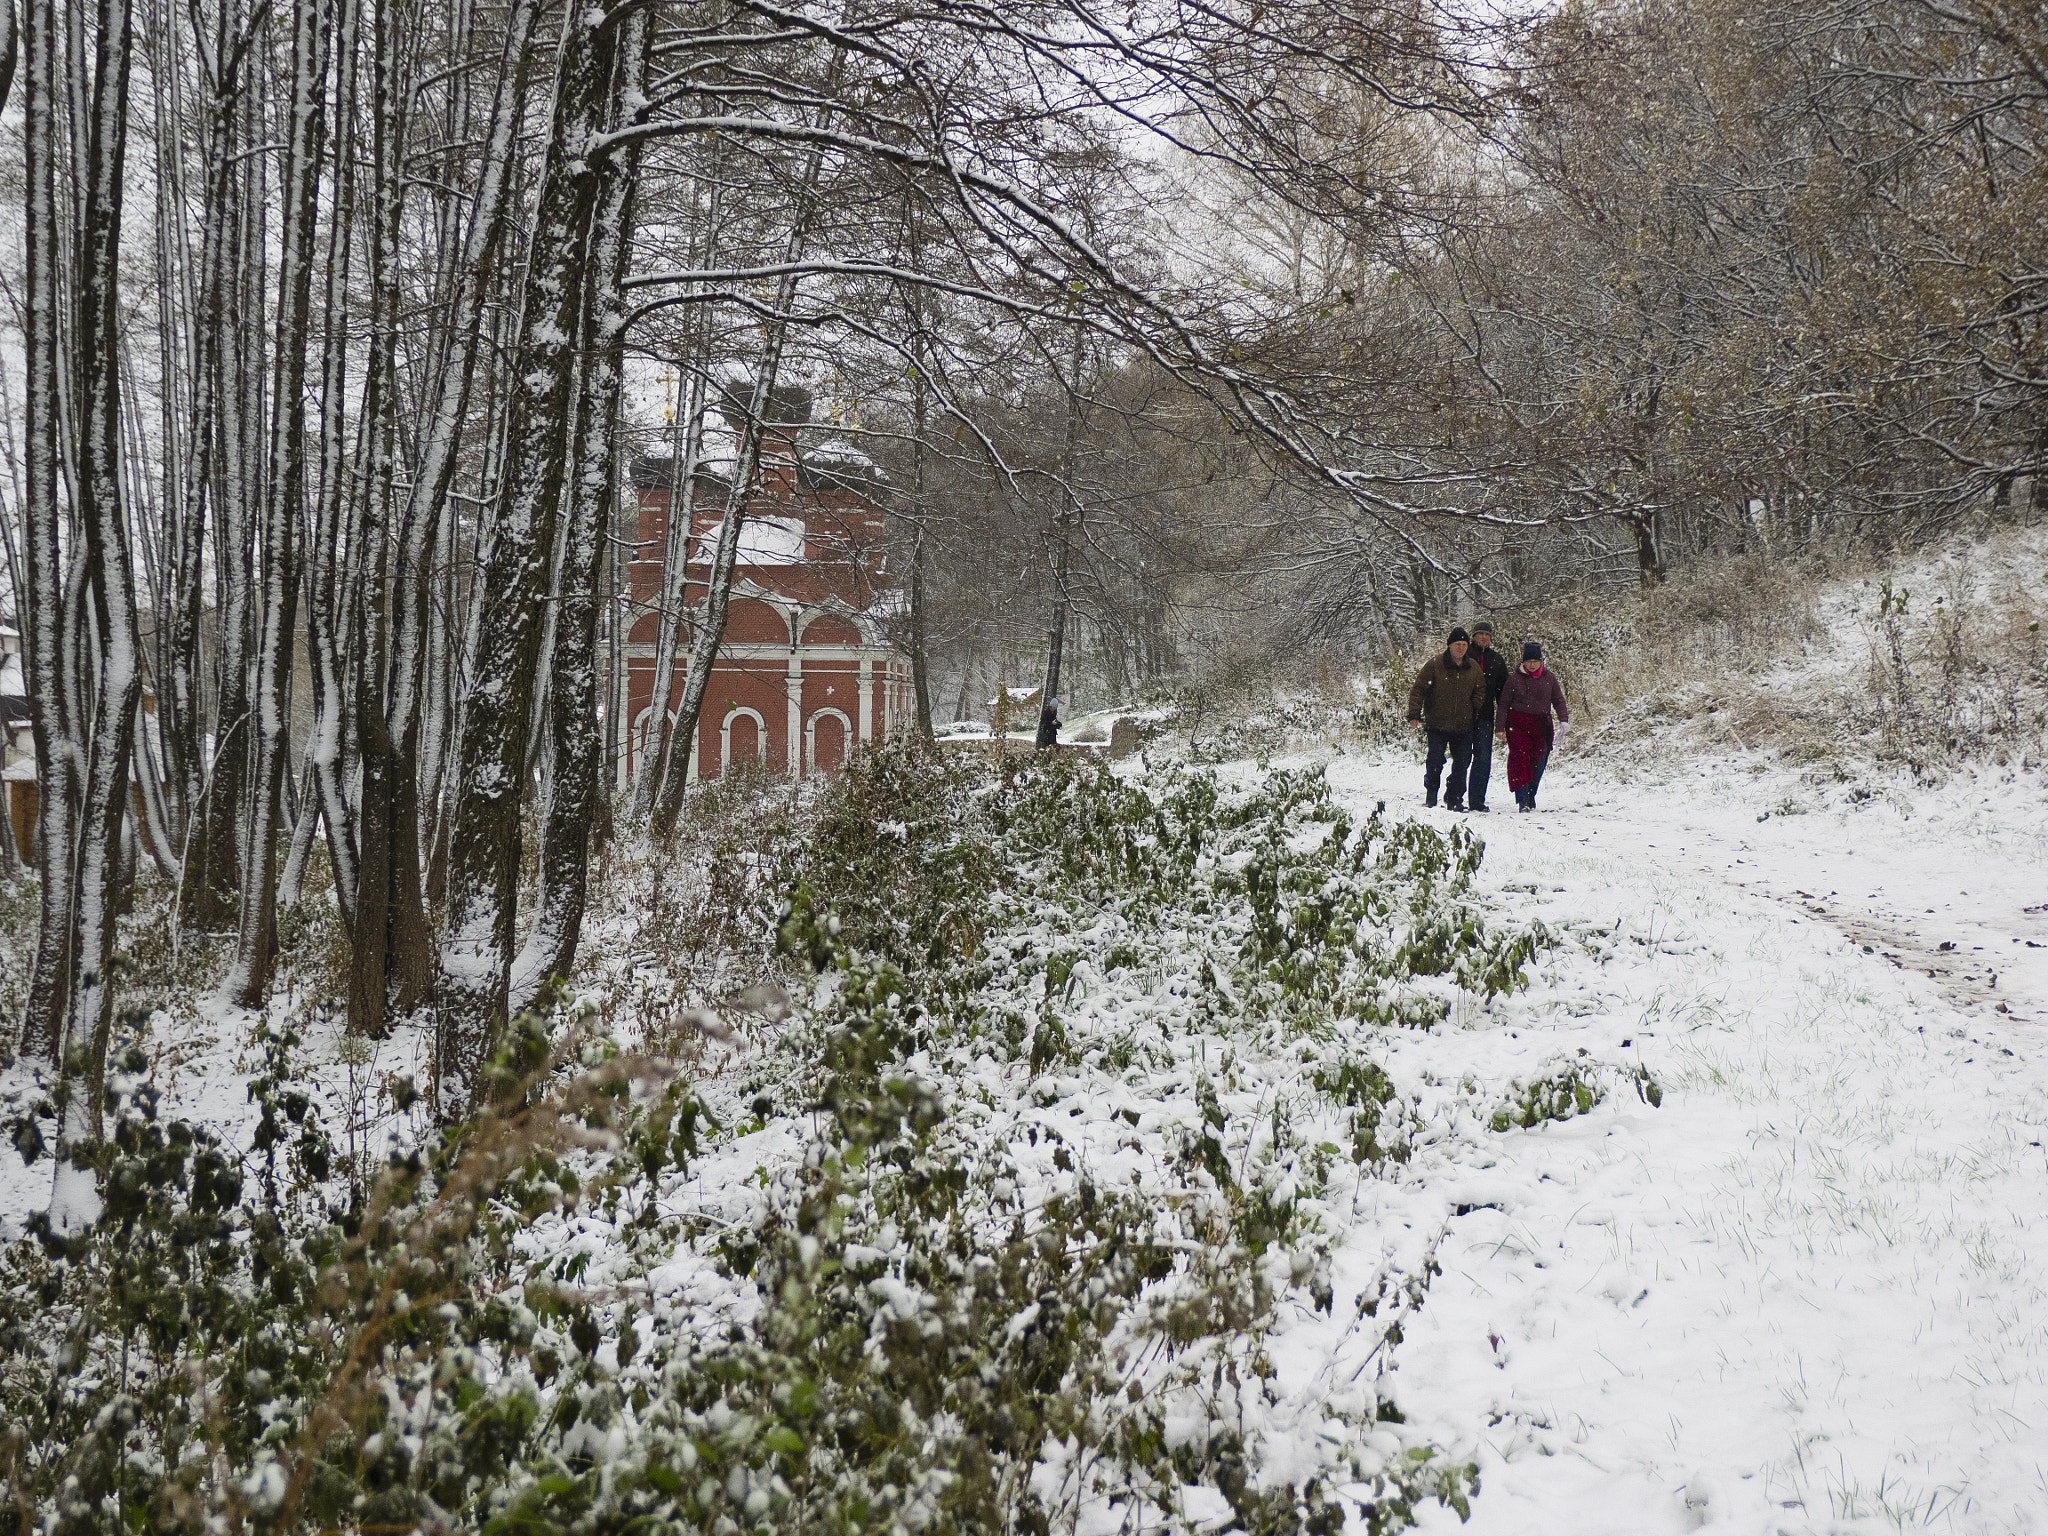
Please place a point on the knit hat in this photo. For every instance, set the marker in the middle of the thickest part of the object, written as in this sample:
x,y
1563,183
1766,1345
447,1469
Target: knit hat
x,y
1531,651
1457,635
1483,627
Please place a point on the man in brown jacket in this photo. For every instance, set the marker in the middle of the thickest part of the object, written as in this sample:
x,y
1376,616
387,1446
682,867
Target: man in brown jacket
x,y
1448,696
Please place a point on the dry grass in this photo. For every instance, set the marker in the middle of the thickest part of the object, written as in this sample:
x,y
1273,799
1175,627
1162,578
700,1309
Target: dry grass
x,y
1714,627
677,925
1923,663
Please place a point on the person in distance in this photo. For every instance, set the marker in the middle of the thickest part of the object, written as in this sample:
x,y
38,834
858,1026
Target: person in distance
x,y
1446,700
1482,727
1527,701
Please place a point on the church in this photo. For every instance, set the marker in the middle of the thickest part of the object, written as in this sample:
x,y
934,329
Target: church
x,y
807,669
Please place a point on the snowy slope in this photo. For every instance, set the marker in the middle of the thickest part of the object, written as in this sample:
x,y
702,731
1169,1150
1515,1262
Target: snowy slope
x,y
1807,1293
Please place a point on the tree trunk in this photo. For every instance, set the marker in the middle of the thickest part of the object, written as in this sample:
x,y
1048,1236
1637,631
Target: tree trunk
x,y
920,657
45,634
718,585
336,536
283,508
717,603
103,517
675,576
1064,527
215,867
572,701
1649,558
398,964
194,442
484,846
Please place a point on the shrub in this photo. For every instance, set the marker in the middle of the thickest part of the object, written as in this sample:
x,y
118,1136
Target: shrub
x,y
474,1339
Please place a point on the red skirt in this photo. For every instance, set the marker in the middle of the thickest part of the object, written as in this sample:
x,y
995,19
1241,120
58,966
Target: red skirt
x,y
1529,739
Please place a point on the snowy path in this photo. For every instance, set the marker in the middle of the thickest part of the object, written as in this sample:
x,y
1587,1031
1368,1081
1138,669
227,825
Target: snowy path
x,y
1808,1293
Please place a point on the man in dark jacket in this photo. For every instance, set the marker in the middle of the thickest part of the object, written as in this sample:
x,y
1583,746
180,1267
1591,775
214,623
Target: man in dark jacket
x,y
1482,729
1446,699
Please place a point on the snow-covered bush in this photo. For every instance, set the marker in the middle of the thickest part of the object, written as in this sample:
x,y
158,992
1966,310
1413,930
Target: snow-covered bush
x,y
1029,1251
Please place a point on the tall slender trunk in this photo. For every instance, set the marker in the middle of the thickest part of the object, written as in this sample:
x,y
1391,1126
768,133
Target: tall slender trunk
x,y
682,506
334,535
668,802
393,963
572,703
484,848
675,580
386,803
103,516
920,651
284,505
45,633
190,318
617,608
1065,524
215,866
10,50
711,618
920,659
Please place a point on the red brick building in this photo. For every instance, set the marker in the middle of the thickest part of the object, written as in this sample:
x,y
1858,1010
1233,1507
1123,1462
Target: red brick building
x,y
806,670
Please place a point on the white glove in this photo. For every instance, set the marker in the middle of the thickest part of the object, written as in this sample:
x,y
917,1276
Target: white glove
x,y
1559,732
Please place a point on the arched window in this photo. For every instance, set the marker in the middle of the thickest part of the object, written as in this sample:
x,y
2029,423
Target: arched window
x,y
742,736
644,737
826,734
829,629
751,621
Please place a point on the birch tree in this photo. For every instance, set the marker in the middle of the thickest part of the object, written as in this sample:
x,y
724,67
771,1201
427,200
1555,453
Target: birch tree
x,y
478,945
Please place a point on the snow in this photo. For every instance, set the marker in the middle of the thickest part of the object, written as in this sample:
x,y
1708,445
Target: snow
x,y
1806,1293
1802,1295
766,541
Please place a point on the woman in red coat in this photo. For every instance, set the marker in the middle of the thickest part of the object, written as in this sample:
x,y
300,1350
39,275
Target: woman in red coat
x,y
1526,701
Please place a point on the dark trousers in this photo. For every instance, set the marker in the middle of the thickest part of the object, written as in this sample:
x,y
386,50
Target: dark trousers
x,y
1459,745
1527,793
1482,763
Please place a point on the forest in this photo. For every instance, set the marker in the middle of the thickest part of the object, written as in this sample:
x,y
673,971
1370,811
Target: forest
x,y
1190,349
1229,332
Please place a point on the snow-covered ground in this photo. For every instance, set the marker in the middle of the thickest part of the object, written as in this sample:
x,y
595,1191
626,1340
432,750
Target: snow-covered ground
x,y
1807,1293
1804,1295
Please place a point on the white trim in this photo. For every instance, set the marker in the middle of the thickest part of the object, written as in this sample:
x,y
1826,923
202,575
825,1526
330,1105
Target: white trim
x,y
793,687
811,736
867,699
830,610
770,650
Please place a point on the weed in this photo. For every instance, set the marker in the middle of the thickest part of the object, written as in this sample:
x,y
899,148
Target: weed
x,y
1560,1096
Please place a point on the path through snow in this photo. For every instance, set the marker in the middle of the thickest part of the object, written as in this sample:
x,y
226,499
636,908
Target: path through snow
x,y
1807,1294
